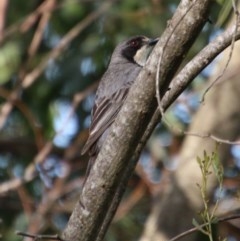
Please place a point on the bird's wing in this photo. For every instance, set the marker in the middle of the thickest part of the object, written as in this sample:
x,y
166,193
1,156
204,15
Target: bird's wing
x,y
103,115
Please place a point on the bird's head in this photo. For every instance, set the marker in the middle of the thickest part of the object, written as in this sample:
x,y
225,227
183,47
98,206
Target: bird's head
x,y
135,50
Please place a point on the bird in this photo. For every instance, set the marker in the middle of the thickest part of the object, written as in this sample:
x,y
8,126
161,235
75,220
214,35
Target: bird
x,y
127,60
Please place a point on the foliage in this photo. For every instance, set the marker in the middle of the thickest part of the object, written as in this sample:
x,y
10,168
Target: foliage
x,y
209,165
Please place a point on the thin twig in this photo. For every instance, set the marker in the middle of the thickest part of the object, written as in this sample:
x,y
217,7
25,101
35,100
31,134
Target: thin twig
x,y
195,229
3,7
229,56
38,35
213,137
206,135
39,236
27,22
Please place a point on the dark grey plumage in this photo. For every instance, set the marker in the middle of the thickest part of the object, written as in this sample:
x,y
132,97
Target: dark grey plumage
x,y
126,62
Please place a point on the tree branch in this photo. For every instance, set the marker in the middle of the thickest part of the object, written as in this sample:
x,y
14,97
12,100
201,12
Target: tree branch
x,y
179,84
195,229
130,124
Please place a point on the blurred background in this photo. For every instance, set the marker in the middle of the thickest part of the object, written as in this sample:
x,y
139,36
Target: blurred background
x,y
52,56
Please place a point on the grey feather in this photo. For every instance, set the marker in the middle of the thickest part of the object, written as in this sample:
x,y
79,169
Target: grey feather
x,y
126,62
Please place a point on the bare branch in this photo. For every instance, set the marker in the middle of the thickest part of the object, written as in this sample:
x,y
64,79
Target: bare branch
x,y
198,63
26,23
110,166
230,53
213,137
195,229
39,236
37,38
3,7
179,84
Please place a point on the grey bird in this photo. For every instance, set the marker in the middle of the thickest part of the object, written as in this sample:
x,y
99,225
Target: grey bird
x,y
126,62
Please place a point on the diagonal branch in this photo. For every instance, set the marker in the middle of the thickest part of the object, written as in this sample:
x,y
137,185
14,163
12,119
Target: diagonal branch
x,y
179,84
131,123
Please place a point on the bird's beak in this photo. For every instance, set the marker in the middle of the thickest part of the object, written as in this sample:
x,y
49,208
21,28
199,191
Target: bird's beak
x,y
152,42
143,53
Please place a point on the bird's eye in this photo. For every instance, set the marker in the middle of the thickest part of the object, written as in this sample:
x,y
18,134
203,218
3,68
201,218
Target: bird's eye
x,y
134,43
